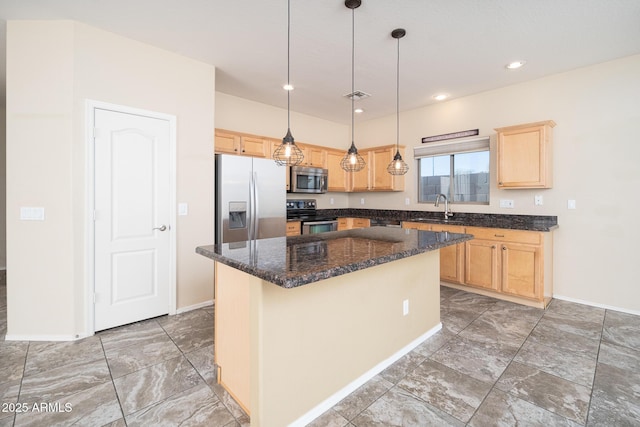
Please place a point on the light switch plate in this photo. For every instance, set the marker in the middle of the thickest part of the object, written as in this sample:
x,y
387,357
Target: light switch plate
x,y
31,213
571,204
538,200
183,209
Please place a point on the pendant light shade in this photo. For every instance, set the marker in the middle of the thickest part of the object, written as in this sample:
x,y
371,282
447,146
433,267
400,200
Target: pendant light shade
x,y
287,153
397,165
352,161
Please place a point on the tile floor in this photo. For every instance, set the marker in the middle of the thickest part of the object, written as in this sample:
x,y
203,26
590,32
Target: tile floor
x,y
492,364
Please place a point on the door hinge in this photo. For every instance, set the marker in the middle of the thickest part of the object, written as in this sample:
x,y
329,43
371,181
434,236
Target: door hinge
x,y
96,133
94,215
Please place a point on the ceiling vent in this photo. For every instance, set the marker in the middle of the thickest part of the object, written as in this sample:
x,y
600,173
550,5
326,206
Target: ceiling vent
x,y
357,95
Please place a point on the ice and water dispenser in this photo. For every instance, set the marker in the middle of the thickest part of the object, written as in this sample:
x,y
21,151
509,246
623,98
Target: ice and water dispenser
x,y
237,215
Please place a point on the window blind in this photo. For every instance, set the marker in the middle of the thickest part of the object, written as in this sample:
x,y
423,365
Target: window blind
x,y
455,147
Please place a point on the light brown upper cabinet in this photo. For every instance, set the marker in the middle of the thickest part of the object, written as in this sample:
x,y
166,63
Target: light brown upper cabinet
x,y
338,178
229,142
314,156
374,176
525,155
379,178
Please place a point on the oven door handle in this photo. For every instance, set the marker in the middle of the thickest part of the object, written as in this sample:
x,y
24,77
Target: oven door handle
x,y
318,222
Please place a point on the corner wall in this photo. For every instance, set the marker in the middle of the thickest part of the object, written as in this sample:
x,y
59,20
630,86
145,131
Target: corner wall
x,y
242,115
3,185
53,67
596,149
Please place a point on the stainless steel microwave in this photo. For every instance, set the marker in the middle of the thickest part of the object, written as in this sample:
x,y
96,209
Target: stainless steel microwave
x,y
308,180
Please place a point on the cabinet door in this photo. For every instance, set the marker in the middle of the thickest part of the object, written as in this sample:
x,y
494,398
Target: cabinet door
x,y
524,156
451,257
451,263
361,223
360,180
481,264
338,178
255,146
521,270
380,179
314,156
293,228
227,142
416,225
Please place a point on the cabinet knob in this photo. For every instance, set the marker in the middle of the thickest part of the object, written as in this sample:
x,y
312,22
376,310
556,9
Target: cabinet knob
x,y
493,247
504,248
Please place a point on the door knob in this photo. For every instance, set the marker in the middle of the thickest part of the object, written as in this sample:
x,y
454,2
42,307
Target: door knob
x,y
161,228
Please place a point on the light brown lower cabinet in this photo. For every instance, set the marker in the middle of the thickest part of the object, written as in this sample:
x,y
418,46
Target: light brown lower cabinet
x,y
514,265
351,223
451,257
293,228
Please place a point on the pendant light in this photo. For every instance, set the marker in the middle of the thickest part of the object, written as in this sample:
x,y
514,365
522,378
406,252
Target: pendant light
x,y
287,153
397,165
352,161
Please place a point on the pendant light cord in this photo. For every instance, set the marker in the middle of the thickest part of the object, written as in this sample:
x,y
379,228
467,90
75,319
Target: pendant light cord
x,y
288,64
353,61
398,100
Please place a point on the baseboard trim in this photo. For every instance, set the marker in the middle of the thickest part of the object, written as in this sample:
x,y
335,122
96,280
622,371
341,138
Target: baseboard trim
x,y
593,304
20,337
331,401
194,307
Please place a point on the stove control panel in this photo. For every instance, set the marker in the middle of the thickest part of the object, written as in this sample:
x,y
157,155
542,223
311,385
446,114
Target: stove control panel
x,y
309,204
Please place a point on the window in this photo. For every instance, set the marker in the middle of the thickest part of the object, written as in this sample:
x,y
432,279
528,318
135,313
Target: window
x,y
458,170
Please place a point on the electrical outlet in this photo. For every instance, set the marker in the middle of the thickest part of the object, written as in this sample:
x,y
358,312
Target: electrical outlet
x,y
571,204
538,201
331,200
362,201
405,307
505,203
407,201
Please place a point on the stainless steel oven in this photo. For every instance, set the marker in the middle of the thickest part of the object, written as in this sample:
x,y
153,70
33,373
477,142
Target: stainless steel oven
x,y
308,180
312,227
304,210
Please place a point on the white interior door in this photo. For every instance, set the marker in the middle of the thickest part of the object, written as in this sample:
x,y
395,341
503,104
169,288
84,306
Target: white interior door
x,y
132,245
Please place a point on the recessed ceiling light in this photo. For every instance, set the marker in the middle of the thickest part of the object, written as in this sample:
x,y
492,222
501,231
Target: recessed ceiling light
x,y
358,110
287,87
515,65
441,96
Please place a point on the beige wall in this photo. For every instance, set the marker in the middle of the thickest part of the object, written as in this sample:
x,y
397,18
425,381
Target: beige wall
x,y
3,185
596,150
53,68
596,147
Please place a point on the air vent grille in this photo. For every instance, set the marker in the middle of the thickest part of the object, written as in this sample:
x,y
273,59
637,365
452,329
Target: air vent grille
x,y
357,95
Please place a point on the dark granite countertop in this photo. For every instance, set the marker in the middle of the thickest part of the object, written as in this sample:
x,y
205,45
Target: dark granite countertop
x,y
514,222
299,260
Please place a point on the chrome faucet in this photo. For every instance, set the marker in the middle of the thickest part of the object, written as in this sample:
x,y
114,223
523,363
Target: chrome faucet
x,y
447,213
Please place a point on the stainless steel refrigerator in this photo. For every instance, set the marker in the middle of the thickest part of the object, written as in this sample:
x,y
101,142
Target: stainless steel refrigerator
x,y
250,198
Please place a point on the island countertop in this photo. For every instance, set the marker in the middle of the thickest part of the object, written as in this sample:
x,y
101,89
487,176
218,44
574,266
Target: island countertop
x,y
294,261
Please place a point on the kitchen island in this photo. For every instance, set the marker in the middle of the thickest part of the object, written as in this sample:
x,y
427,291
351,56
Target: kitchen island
x,y
301,322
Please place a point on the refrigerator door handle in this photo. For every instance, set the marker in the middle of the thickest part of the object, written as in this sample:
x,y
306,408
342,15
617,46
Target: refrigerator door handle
x,y
250,209
256,208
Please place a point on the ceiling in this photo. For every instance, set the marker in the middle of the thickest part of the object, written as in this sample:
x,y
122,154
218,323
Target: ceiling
x,y
459,47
